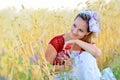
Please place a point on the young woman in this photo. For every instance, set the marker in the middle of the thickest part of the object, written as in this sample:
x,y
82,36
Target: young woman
x,y
83,50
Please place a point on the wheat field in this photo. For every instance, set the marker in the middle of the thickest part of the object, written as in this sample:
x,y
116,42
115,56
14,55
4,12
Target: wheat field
x,y
24,36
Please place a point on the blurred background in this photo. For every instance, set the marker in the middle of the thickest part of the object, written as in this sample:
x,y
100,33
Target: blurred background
x,y
26,26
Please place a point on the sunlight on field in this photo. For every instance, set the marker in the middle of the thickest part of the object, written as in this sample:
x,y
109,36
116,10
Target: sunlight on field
x,y
40,4
24,36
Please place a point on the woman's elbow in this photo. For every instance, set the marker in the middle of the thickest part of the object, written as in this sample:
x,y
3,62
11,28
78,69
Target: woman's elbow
x,y
98,53
49,59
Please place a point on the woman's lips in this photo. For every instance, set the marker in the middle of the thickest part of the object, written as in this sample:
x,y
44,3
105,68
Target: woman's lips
x,y
73,35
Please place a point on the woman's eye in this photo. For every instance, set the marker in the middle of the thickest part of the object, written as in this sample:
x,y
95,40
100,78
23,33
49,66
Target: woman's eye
x,y
74,25
81,30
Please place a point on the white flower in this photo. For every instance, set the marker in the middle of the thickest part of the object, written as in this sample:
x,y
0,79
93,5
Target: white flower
x,y
94,25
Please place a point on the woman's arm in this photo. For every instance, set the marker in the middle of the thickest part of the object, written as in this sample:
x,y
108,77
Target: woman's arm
x,y
50,56
95,51
92,48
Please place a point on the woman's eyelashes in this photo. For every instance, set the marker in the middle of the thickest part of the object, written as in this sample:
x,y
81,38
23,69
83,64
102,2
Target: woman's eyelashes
x,y
81,30
78,29
74,25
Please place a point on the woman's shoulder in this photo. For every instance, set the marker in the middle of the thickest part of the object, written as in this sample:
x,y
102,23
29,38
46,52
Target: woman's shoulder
x,y
58,37
57,42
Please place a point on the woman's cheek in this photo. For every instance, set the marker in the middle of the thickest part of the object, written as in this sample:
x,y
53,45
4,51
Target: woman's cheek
x,y
81,35
71,29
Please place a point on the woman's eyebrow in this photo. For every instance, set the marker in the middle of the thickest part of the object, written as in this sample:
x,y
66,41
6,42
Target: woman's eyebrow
x,y
75,25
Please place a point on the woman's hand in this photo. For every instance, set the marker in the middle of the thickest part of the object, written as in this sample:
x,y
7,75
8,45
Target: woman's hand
x,y
70,42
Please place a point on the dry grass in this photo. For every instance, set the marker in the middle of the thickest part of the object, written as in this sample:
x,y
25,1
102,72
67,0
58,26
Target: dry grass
x,y
26,33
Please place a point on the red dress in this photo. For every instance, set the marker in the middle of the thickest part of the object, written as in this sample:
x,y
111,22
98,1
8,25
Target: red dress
x,y
58,43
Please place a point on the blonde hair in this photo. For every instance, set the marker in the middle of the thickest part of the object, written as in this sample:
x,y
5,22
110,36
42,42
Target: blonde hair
x,y
90,38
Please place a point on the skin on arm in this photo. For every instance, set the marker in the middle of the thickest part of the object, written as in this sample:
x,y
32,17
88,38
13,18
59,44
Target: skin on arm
x,y
50,56
95,51
92,48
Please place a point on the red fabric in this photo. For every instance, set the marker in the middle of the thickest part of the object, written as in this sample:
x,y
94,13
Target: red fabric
x,y
62,55
58,43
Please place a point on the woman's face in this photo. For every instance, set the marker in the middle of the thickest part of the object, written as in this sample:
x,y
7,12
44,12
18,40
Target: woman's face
x,y
79,28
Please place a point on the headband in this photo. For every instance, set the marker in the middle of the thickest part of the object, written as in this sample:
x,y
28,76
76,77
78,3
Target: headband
x,y
94,25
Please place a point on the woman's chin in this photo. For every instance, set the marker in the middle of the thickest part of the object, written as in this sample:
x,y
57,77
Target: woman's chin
x,y
74,37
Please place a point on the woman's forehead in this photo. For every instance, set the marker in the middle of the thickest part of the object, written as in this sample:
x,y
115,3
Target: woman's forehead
x,y
80,23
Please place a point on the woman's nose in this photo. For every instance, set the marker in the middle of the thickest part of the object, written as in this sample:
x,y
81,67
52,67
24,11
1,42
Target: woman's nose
x,y
75,31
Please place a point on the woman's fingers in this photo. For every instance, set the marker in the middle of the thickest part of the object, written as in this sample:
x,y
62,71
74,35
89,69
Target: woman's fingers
x,y
70,42
67,45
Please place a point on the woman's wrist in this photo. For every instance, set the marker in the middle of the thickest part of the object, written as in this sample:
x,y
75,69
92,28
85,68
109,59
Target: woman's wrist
x,y
77,41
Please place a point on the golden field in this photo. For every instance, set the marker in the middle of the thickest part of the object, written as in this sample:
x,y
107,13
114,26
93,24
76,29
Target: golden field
x,y
24,36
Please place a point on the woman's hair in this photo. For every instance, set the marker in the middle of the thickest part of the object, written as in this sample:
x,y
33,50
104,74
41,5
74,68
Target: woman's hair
x,y
86,17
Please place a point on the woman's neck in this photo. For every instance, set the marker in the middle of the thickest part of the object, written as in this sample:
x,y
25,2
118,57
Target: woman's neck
x,y
67,37
75,47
